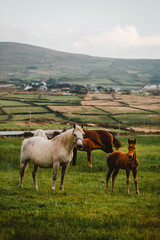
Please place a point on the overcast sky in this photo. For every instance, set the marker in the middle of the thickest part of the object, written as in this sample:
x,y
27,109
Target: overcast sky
x,y
105,28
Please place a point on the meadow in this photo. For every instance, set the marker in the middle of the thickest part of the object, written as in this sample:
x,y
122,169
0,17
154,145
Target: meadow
x,y
102,110
83,210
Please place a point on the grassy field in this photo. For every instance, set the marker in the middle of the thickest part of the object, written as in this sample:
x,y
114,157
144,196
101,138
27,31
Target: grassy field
x,y
83,210
103,110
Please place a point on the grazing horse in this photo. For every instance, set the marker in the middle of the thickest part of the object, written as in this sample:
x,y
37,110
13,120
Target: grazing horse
x,y
40,133
120,160
50,153
97,139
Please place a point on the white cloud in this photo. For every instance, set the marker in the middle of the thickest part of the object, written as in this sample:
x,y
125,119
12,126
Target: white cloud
x,y
119,37
118,42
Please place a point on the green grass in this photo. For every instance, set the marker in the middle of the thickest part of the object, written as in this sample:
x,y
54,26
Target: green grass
x,y
83,210
44,116
61,98
3,118
23,96
138,119
99,114
36,109
12,103
17,126
90,119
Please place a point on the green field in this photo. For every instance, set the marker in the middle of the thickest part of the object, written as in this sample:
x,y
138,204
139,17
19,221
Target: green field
x,y
9,110
83,210
103,110
29,96
61,98
12,103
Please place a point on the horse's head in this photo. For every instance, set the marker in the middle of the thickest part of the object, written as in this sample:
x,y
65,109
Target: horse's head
x,y
131,148
78,135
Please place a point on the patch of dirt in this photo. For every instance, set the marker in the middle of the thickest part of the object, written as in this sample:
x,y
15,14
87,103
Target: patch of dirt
x,y
101,103
73,109
146,130
89,97
120,110
143,102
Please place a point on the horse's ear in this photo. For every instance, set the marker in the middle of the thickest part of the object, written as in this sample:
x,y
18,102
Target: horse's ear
x,y
129,141
134,141
82,125
74,126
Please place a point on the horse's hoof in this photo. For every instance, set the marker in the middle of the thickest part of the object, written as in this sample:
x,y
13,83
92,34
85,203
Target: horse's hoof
x,y
137,192
53,188
61,188
36,188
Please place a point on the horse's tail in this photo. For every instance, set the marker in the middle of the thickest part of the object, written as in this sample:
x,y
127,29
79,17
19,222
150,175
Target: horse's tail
x,y
117,144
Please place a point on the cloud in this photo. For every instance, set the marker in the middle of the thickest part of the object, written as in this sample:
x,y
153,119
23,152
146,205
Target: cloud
x,y
119,37
121,42
10,33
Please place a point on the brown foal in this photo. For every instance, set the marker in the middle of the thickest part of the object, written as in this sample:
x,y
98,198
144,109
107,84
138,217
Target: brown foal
x,y
120,160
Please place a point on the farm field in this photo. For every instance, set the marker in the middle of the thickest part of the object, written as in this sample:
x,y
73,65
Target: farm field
x,y
83,210
43,109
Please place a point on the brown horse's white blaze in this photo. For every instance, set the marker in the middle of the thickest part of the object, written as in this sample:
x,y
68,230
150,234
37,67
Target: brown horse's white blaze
x,y
120,160
50,153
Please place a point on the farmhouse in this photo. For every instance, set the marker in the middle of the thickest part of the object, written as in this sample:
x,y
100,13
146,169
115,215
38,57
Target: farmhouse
x,y
36,86
150,87
28,88
92,89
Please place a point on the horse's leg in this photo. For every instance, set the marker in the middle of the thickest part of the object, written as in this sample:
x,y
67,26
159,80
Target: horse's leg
x,y
89,156
114,178
135,179
55,170
22,171
108,177
128,180
34,174
64,168
74,156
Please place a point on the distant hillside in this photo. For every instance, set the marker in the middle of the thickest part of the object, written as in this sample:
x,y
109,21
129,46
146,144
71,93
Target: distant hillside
x,y
31,62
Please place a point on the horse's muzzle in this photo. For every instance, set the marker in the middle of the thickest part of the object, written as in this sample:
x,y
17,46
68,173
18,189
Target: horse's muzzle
x,y
79,143
130,156
79,146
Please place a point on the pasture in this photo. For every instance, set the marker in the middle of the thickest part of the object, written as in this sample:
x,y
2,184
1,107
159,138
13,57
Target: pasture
x,y
103,110
83,210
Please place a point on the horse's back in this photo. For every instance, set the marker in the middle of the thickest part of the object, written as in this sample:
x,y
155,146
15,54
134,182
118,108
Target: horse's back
x,y
35,148
116,159
32,142
102,137
97,134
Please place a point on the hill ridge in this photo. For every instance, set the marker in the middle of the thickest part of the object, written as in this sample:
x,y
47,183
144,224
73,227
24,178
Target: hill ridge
x,y
18,57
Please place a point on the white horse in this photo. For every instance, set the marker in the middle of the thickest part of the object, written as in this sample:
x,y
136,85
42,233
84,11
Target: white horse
x,y
40,133
50,153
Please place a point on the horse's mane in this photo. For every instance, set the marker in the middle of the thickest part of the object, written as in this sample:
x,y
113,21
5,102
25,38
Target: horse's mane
x,y
61,133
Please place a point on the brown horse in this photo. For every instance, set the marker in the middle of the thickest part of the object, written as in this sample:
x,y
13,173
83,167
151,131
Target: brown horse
x,y
97,139
120,160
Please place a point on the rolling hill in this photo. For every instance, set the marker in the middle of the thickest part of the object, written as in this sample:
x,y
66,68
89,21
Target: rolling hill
x,y
31,62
